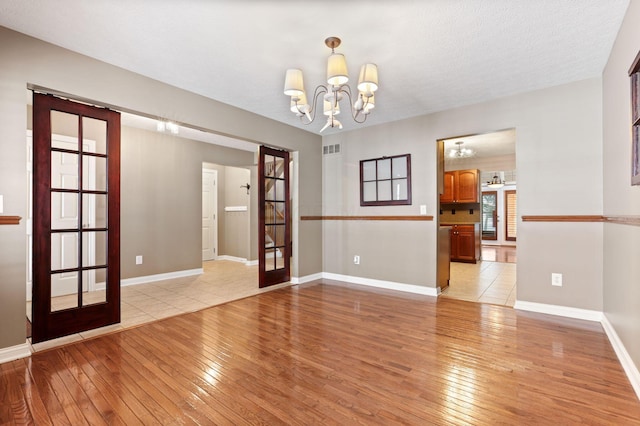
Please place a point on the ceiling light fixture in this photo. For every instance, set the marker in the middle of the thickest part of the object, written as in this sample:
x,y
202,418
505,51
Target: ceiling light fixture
x,y
335,90
460,152
167,126
496,182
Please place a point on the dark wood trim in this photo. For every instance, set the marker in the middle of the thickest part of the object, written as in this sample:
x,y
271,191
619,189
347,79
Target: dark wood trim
x,y
10,220
635,66
623,220
397,218
632,220
564,218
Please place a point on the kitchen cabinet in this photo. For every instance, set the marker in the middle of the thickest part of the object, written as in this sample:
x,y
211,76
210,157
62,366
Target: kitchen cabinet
x,y
461,186
465,242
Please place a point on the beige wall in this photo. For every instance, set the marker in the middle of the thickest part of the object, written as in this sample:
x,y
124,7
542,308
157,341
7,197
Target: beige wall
x,y
559,136
235,234
161,199
29,61
621,243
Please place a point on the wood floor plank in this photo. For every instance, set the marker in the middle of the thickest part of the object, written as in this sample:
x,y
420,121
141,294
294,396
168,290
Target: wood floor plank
x,y
115,409
38,413
330,353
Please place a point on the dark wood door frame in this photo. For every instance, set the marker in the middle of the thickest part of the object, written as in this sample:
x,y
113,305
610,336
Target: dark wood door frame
x,y
47,324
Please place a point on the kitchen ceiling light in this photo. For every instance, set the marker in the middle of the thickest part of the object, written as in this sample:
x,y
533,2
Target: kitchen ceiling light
x,y
495,183
335,90
460,152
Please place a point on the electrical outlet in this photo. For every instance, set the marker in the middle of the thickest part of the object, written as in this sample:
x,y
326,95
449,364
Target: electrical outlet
x,y
356,260
423,209
556,279
139,260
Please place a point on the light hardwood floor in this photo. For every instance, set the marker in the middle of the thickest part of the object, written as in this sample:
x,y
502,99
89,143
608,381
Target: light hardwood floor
x,y
330,353
222,281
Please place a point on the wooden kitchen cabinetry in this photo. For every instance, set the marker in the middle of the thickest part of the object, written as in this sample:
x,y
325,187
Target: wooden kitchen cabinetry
x,y
461,186
465,242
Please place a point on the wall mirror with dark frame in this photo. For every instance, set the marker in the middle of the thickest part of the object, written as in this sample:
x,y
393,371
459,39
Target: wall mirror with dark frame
x,y
386,181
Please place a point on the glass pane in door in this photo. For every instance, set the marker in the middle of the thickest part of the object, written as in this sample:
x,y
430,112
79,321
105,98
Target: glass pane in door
x,y
94,135
95,288
64,291
489,215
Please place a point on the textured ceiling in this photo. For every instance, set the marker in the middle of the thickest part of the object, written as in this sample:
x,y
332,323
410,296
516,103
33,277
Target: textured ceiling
x,y
432,55
495,144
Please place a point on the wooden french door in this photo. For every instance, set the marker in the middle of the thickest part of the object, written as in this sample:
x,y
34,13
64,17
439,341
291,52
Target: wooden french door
x,y
274,217
76,220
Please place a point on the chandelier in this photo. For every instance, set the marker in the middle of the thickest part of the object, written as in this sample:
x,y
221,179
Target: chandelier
x,y
460,152
360,104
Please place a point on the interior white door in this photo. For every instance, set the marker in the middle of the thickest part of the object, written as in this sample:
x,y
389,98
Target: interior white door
x,y
64,215
209,214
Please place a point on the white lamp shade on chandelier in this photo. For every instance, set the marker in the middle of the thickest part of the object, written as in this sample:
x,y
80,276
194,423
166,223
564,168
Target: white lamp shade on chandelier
x,y
293,85
368,80
361,102
337,73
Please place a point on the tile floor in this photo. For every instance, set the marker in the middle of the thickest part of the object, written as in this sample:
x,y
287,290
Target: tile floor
x,y
484,282
222,281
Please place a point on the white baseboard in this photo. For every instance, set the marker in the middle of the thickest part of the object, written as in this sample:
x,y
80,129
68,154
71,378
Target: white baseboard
x,y
160,277
627,363
238,259
306,278
563,311
390,285
15,352
232,258
623,356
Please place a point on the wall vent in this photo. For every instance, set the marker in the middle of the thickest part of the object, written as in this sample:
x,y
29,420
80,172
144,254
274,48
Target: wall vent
x,y
331,149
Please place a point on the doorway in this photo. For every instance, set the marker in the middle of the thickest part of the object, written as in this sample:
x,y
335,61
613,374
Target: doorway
x,y
492,158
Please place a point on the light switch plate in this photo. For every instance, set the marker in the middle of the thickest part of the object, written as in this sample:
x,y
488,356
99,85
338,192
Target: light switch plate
x,y
1,204
423,209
